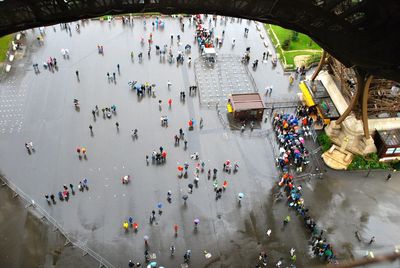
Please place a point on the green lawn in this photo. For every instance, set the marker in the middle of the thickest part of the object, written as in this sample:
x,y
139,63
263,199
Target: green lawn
x,y
303,42
4,45
303,46
290,55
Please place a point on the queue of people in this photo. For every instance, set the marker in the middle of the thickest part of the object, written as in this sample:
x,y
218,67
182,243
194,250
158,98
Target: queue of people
x,y
288,129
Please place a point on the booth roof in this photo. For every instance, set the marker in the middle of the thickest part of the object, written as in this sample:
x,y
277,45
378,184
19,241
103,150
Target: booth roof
x,y
246,101
390,137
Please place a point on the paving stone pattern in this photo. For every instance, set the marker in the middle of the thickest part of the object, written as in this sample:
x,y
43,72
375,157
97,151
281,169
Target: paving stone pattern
x,y
12,98
227,76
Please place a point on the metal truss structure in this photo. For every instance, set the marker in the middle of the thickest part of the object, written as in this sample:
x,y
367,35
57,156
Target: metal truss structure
x,y
383,95
367,96
359,33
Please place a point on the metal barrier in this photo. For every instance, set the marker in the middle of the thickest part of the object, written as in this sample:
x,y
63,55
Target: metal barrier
x,y
282,104
45,215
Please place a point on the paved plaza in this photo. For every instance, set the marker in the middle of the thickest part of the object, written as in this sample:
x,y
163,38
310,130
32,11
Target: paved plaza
x,y
39,108
227,76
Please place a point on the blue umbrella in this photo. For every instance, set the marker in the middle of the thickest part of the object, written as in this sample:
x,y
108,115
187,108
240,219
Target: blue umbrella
x,y
159,205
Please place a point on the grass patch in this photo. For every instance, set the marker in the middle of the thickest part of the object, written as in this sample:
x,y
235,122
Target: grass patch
x,y
370,161
324,141
301,43
290,55
4,45
290,44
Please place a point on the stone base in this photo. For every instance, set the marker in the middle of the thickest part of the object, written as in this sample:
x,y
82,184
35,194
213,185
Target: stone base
x,y
350,134
337,159
349,139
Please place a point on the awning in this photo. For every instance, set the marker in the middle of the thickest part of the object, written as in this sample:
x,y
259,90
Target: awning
x,y
308,99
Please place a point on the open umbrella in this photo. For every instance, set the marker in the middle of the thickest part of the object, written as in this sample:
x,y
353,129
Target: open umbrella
x,y
152,264
241,195
180,168
185,197
159,205
196,221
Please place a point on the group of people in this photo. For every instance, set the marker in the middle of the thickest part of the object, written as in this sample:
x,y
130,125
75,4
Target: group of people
x,y
203,36
64,194
319,246
157,157
285,127
180,137
292,151
50,64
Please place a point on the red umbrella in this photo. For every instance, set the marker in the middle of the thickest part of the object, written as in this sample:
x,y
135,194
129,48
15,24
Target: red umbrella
x,y
180,168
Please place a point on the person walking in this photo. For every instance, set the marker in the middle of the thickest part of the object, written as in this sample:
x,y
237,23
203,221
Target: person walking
x,y
91,129
47,198
286,220
172,249
118,68
372,240
117,125
186,257
77,74
389,177
190,188
291,79
176,227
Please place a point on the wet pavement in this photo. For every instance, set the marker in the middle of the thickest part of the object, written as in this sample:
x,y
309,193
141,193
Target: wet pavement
x,y
27,241
233,234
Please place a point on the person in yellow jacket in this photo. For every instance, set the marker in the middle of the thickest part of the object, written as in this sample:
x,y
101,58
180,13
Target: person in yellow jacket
x,y
126,225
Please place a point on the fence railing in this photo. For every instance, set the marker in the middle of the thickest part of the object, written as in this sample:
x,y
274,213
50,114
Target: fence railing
x,y
45,215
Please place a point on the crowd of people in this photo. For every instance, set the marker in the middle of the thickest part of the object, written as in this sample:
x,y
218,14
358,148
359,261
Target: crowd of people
x,y
289,132
289,129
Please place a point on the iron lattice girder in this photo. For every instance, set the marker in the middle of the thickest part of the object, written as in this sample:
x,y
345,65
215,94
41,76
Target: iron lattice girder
x,y
358,33
381,98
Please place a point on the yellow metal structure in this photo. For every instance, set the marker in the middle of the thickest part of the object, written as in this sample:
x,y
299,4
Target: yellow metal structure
x,y
308,99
